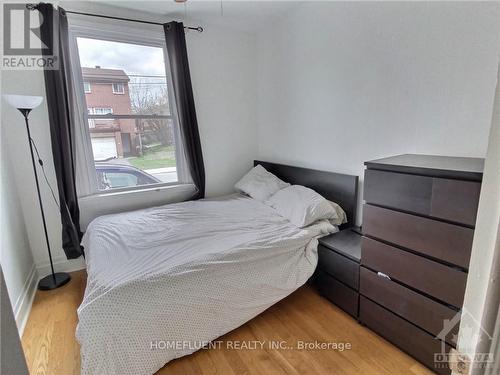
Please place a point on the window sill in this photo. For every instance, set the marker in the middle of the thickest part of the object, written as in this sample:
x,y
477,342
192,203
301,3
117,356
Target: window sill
x,y
92,206
152,189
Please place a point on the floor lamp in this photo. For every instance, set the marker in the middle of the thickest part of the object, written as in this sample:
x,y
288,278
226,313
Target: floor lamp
x,y
25,104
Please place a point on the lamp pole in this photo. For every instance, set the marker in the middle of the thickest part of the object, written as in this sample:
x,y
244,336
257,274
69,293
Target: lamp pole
x,y
54,280
25,104
26,113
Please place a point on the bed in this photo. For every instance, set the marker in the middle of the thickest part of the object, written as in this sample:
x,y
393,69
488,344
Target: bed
x,y
163,282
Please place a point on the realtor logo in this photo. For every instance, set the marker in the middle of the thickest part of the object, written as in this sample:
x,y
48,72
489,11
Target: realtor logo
x,y
459,363
23,48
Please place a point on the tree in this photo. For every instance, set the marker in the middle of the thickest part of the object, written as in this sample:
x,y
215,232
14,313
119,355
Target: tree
x,y
148,97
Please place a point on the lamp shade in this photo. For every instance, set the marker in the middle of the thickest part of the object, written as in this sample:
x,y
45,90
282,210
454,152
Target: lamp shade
x,y
23,101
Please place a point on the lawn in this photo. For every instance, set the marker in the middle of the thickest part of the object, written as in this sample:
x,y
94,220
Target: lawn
x,y
155,157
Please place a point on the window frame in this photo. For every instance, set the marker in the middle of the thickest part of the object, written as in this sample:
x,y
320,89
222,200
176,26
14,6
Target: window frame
x,y
109,32
118,92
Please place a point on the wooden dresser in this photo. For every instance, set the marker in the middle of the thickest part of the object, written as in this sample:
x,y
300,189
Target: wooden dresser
x,y
418,225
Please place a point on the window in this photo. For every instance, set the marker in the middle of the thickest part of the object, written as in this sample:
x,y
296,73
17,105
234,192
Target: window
x,y
86,87
102,121
118,88
99,111
131,138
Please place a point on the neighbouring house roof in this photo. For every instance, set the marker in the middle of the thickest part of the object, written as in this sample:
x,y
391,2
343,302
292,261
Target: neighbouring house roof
x,y
104,75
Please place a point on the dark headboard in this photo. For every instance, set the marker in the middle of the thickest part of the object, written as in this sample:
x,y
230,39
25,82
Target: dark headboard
x,y
336,187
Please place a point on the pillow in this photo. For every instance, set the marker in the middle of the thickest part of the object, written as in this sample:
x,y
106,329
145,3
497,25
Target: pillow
x,y
260,184
341,215
302,206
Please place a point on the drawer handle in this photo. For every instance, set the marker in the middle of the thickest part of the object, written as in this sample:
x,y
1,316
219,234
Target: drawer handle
x,y
383,275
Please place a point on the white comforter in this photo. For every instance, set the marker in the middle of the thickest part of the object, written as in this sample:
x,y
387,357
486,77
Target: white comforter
x,y
162,280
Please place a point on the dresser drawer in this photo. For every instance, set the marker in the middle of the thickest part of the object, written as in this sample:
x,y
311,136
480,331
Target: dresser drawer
x,y
455,200
452,200
339,266
341,295
435,279
414,307
443,241
403,334
398,190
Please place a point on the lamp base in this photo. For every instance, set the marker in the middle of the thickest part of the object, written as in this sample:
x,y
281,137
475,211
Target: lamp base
x,y
48,283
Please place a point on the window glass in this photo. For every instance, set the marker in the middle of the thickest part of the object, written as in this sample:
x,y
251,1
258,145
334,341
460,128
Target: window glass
x,y
140,135
117,179
118,88
86,87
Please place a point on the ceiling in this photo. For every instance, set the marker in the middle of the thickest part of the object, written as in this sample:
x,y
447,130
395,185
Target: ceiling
x,y
240,15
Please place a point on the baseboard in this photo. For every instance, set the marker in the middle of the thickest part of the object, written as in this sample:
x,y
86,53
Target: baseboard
x,y
22,307
61,264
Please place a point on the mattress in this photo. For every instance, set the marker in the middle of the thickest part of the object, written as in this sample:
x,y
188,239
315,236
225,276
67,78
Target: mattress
x,y
163,280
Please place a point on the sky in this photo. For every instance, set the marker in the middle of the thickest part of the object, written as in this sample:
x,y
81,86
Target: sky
x,y
133,58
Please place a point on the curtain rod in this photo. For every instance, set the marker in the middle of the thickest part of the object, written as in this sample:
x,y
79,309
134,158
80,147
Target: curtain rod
x,y
35,6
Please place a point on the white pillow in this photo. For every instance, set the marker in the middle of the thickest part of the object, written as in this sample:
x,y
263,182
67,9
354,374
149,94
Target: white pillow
x,y
341,215
302,206
260,184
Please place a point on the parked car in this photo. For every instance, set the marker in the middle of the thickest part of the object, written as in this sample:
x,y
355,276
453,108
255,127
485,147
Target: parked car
x,y
112,176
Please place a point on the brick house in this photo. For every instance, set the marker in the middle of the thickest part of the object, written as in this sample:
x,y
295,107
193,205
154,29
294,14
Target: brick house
x,y
107,91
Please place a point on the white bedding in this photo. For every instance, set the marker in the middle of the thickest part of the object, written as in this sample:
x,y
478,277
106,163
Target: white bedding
x,y
184,273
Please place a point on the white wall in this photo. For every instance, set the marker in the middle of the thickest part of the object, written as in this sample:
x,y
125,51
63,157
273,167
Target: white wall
x,y
15,253
223,72
485,239
345,82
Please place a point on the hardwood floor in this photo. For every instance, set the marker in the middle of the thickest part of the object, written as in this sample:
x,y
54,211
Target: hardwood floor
x,y
50,346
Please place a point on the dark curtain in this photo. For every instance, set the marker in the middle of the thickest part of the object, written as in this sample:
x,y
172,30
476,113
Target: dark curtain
x,y
184,100
54,34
